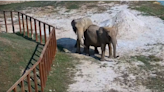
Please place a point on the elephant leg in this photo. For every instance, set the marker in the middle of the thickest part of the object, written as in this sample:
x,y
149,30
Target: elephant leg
x,y
110,50
96,51
86,50
114,41
78,47
103,52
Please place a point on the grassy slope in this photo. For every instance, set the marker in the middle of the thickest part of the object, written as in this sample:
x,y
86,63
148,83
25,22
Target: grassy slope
x,y
15,55
15,52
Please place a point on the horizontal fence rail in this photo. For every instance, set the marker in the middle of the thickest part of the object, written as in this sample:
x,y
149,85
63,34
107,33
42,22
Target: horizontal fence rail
x,y
44,64
35,78
29,26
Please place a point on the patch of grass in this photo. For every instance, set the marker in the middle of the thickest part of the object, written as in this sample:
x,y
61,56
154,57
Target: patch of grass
x,y
149,8
61,76
154,58
147,60
72,6
24,5
92,6
15,52
156,83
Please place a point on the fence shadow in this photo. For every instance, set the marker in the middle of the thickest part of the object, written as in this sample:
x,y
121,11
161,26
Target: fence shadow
x,y
26,37
34,58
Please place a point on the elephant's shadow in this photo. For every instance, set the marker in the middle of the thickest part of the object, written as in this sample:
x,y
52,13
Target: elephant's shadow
x,y
69,44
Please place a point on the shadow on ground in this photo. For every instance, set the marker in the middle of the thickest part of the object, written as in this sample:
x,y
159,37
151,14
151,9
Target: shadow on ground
x,y
34,58
65,44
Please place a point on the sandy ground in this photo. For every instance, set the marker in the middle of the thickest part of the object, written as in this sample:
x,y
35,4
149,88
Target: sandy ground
x,y
137,35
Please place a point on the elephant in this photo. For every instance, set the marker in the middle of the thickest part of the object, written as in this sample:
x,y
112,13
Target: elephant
x,y
79,26
100,36
107,35
91,38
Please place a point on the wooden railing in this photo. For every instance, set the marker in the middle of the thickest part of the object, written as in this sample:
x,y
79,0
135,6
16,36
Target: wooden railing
x,y
32,80
28,25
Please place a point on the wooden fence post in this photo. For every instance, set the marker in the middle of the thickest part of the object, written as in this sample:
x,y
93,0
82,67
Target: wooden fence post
x,y
5,21
27,26
12,21
23,25
19,23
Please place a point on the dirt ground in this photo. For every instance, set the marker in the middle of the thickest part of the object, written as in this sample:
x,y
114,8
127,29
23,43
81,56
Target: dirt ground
x,y
140,47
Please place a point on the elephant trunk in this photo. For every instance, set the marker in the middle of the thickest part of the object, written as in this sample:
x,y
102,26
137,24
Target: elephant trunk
x,y
80,34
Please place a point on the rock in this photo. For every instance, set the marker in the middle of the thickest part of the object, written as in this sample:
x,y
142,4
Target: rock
x,y
152,75
65,50
156,3
49,7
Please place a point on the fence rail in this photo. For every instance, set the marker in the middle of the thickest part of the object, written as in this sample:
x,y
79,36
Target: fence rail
x,y
27,23
33,80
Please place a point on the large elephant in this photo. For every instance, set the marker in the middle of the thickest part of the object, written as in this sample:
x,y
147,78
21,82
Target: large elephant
x,y
79,26
100,36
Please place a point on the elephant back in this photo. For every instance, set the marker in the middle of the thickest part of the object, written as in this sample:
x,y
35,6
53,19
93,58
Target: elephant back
x,y
83,23
91,35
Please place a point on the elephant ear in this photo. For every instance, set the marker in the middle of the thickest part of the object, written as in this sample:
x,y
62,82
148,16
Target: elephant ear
x,y
73,23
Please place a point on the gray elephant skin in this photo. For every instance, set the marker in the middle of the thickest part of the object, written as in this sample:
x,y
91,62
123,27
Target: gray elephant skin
x,y
79,26
100,36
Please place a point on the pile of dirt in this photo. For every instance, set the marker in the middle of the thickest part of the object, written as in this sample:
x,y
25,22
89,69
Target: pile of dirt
x,y
129,26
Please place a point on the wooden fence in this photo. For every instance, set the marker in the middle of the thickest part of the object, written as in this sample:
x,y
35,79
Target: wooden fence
x,y
34,80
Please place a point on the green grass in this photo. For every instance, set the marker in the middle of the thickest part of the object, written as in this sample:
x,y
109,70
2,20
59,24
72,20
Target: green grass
x,y
73,6
156,83
148,8
147,60
15,53
24,5
60,76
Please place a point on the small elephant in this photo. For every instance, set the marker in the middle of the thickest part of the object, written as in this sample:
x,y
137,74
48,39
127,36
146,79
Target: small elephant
x,y
79,26
100,36
107,35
